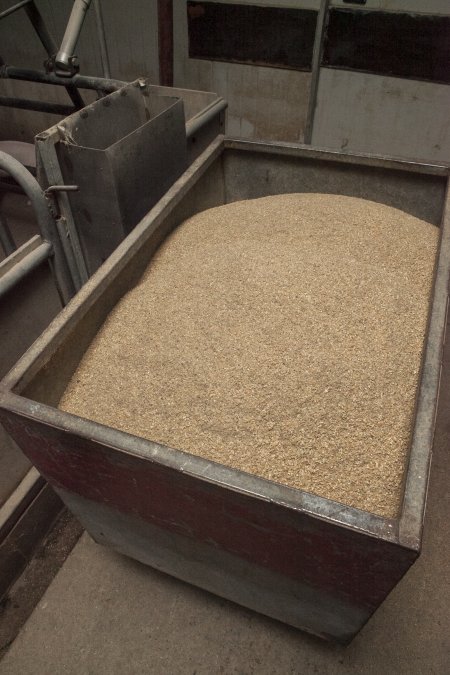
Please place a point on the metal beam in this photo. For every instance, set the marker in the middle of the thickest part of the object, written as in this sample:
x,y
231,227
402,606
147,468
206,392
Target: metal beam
x,y
79,81
39,26
6,239
24,265
39,106
14,8
65,53
322,20
102,38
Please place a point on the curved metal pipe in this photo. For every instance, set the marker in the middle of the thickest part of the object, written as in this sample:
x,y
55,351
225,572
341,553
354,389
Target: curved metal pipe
x,y
45,220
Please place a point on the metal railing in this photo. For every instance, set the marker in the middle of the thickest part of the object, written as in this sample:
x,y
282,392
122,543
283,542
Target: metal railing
x,y
46,246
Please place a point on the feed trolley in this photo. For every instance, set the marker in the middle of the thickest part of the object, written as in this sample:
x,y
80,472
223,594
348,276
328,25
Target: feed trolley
x,y
303,559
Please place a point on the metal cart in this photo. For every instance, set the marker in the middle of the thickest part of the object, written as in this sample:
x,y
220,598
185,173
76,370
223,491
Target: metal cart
x,y
303,559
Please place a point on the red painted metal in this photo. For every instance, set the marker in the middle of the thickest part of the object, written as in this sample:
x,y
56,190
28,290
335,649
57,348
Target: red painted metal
x,y
347,564
165,42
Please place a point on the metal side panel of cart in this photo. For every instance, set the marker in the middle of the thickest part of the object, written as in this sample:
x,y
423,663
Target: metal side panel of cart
x,y
300,558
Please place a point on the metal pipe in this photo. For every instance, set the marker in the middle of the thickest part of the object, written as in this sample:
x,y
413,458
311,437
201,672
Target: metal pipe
x,y
322,20
197,122
40,106
14,8
50,47
45,221
24,267
75,97
39,26
72,33
102,38
47,42
79,81
6,238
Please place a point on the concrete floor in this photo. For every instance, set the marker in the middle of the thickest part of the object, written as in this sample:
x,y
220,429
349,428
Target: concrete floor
x,y
107,614
27,591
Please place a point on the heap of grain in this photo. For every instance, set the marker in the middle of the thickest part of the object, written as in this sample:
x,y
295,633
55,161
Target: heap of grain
x,y
281,336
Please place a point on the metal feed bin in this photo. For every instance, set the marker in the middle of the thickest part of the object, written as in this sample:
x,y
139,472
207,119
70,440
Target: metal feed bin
x,y
122,153
303,559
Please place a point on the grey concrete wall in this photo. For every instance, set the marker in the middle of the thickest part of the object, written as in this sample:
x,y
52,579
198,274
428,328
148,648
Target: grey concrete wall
x,y
364,112
382,115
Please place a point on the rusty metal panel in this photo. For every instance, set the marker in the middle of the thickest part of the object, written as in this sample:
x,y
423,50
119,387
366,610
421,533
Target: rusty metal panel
x,y
303,559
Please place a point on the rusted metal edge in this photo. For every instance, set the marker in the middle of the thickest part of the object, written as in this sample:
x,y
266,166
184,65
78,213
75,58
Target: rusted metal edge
x,y
328,154
418,471
42,350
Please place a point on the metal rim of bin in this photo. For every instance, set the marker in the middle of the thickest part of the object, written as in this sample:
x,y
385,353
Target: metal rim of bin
x,y
405,530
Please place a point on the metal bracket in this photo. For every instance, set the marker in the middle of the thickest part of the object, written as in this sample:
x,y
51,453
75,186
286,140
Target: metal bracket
x,y
61,188
51,196
72,68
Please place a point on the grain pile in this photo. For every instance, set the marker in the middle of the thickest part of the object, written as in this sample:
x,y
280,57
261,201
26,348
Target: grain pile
x,y
280,336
